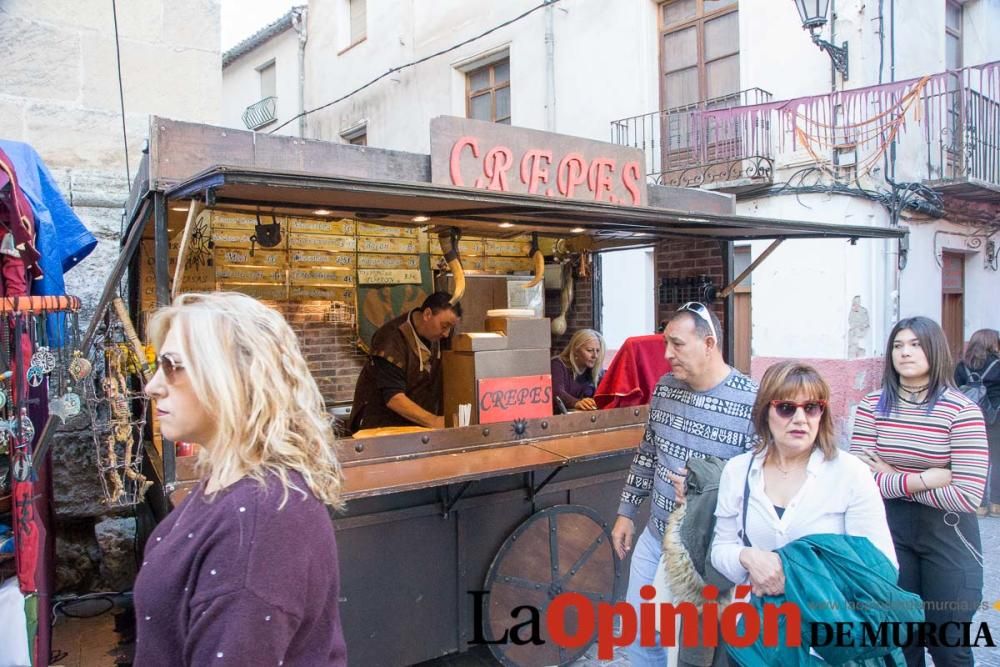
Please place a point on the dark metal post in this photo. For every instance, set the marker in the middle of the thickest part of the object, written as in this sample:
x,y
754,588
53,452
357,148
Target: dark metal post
x,y
161,269
728,270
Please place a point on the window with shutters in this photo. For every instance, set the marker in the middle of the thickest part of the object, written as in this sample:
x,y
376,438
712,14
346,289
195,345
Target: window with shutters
x,y
358,10
487,92
699,67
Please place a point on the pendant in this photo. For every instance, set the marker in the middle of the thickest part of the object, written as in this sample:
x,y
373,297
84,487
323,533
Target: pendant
x,y
80,366
35,375
72,403
57,408
44,359
3,397
27,428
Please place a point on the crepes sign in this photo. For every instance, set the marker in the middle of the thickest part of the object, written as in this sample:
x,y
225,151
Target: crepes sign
x,y
510,398
488,156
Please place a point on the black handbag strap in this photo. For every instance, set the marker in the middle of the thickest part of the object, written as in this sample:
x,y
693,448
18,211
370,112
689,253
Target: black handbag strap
x,y
746,503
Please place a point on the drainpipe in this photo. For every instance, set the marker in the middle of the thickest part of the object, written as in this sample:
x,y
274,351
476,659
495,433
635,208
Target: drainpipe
x,y
550,68
299,17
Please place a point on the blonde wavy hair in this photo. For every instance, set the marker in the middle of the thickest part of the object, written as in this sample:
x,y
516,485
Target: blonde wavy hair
x,y
568,355
245,365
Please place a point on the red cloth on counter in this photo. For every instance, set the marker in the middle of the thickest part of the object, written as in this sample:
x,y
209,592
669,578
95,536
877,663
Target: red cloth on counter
x,y
633,373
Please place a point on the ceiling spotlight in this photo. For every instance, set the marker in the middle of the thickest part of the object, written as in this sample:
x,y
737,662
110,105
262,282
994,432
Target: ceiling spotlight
x,y
421,218
322,211
180,209
578,230
506,225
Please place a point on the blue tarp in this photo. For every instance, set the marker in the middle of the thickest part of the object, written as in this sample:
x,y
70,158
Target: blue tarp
x,y
61,238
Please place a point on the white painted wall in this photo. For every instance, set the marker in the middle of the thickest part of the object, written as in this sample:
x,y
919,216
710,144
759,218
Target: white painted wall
x,y
241,82
606,68
628,292
599,78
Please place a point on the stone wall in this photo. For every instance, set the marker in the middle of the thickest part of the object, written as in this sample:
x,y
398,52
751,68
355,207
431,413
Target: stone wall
x,y
59,93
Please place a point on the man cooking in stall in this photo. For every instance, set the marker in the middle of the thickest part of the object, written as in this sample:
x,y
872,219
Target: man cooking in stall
x,y
400,384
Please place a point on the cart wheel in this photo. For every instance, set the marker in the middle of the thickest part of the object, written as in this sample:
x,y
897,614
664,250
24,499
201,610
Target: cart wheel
x,y
561,549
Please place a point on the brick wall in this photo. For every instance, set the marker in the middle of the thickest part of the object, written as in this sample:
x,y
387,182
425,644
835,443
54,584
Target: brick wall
x,y
581,312
683,258
329,348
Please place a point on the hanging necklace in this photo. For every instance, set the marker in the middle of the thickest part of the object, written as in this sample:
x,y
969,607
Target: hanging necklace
x,y
914,392
784,473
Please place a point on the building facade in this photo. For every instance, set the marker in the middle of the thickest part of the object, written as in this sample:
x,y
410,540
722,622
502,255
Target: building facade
x,y
59,92
731,95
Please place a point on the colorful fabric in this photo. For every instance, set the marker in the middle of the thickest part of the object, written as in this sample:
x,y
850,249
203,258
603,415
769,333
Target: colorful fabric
x,y
911,439
633,373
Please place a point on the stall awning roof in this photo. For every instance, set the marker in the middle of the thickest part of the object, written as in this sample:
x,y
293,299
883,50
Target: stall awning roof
x,y
480,211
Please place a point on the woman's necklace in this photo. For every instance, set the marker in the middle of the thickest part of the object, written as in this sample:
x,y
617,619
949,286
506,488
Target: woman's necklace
x,y
914,392
785,473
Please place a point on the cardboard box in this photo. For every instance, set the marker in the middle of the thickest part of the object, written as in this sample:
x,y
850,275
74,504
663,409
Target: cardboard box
x,y
523,333
462,370
478,342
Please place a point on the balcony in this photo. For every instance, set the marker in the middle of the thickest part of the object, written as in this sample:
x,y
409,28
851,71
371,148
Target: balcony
x,y
259,114
963,134
703,145
942,129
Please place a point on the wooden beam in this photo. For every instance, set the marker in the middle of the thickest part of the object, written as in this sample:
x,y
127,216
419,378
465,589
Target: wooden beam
x,y
728,289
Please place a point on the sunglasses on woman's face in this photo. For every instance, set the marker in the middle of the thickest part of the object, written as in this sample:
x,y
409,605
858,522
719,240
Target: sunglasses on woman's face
x,y
171,366
787,409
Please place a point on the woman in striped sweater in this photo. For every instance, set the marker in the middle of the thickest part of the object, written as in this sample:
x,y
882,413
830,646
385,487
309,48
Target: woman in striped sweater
x,y
925,442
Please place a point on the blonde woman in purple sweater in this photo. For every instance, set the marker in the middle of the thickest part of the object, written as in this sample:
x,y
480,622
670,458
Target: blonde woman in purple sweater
x,y
244,571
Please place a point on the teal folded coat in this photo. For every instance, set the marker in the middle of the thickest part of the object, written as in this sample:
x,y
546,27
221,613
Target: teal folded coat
x,y
835,579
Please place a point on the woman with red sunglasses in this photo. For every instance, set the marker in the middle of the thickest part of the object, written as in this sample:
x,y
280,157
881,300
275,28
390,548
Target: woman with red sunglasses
x,y
796,482
925,442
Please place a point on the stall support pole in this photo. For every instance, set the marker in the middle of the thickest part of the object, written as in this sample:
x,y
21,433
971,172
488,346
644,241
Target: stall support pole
x,y
161,267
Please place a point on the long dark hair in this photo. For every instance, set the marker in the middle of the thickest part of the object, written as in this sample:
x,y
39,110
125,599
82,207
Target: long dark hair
x,y
935,347
983,344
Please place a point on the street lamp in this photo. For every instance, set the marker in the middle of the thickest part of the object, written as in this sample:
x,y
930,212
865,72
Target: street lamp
x,y
813,15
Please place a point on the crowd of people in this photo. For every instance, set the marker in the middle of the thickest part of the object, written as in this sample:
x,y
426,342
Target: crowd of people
x,y
231,377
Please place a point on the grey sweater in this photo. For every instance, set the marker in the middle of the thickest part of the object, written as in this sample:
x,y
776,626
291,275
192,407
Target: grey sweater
x,y
685,424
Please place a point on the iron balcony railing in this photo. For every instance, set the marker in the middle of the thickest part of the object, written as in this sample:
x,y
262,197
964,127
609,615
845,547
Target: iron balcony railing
x,y
942,127
963,128
261,113
688,147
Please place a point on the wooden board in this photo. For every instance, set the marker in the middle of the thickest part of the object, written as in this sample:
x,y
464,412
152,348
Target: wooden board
x,y
321,276
507,264
499,248
241,257
389,245
388,261
343,227
389,277
371,229
249,274
265,292
302,258
328,243
321,293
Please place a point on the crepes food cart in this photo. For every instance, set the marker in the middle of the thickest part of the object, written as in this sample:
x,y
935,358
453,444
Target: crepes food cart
x,y
341,238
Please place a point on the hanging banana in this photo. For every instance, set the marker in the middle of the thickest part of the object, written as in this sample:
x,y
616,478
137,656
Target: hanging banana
x,y
449,246
539,258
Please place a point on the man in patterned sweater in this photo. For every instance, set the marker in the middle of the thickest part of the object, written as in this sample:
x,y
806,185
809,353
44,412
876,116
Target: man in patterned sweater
x,y
700,408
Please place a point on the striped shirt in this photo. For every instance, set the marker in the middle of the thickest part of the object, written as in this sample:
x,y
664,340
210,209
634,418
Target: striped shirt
x,y
911,440
685,424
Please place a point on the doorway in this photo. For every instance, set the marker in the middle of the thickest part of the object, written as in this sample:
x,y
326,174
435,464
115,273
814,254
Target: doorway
x,y
953,300
628,291
742,312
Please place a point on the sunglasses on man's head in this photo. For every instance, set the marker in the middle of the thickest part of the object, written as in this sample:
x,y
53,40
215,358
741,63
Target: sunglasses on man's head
x,y
170,365
787,409
699,309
